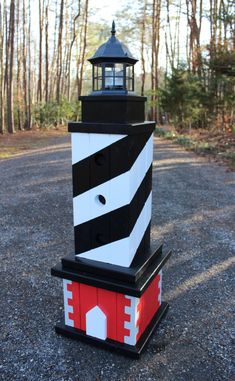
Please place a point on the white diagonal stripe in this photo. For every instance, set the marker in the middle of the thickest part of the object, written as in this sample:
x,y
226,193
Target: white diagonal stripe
x,y
122,252
85,145
118,191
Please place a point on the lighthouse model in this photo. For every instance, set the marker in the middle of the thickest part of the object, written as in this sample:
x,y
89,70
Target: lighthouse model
x,y
113,282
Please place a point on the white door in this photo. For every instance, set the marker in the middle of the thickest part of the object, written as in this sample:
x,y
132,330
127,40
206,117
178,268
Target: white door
x,y
96,323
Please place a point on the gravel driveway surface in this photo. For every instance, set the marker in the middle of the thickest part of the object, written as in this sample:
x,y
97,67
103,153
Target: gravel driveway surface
x,y
193,213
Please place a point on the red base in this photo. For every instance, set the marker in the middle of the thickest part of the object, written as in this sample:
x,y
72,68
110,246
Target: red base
x,y
130,350
110,312
121,317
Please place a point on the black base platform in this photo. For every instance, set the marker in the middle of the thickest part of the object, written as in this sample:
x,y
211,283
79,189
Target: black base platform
x,y
132,351
131,281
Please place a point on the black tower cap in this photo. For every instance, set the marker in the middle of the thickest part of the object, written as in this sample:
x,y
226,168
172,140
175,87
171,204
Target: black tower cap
x,y
113,51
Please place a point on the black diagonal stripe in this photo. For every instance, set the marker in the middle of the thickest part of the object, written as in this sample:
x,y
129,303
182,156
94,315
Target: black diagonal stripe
x,y
107,163
114,225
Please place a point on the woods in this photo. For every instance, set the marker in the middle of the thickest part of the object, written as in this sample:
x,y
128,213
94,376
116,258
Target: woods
x,y
186,51
36,63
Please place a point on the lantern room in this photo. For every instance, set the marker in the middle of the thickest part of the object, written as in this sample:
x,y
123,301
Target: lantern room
x,y
112,68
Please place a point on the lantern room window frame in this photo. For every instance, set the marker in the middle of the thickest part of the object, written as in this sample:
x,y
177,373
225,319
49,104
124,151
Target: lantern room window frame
x,y
100,77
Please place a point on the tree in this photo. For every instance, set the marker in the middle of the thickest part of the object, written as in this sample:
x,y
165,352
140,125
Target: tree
x,y
10,74
81,58
195,31
182,98
2,74
156,13
41,7
74,37
46,54
59,52
142,46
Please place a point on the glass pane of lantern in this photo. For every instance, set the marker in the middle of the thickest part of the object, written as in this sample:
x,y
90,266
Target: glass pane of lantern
x,y
119,82
109,76
99,83
119,73
118,68
99,70
130,77
128,84
128,71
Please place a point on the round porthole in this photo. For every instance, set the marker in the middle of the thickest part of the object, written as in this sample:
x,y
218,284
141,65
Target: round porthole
x,y
100,239
101,199
99,159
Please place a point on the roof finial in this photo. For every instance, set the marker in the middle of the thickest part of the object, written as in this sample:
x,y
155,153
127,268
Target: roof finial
x,y
113,31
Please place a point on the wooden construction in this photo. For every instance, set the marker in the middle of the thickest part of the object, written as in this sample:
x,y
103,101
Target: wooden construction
x,y
113,282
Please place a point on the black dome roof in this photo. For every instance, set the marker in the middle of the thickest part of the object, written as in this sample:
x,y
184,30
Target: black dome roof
x,y
113,50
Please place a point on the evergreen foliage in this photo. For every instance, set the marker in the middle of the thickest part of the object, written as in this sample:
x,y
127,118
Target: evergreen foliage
x,y
201,100
53,113
182,98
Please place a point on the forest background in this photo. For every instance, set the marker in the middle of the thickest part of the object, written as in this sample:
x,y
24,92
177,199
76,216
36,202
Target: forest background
x,y
186,52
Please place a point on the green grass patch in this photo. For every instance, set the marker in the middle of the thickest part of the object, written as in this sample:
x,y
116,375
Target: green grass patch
x,y
185,141
8,151
230,156
206,148
166,134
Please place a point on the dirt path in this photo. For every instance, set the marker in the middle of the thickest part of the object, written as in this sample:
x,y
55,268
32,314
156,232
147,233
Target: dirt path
x,y
193,213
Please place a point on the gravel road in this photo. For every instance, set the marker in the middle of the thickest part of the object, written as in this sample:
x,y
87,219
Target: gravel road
x,y
193,213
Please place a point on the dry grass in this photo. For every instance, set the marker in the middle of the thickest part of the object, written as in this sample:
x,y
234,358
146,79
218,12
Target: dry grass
x,y
216,144
21,141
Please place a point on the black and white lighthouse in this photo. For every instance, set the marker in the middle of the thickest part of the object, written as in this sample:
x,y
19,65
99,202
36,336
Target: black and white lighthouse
x,y
112,283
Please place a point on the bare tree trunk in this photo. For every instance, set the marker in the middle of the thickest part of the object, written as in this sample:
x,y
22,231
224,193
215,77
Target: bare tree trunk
x,y
79,58
156,12
213,27
10,109
65,51
213,51
143,74
41,27
171,46
26,126
178,34
59,50
75,34
47,55
2,74
83,47
18,78
29,68
7,51
53,69
153,99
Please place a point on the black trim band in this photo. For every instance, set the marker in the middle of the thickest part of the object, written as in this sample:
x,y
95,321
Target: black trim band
x,y
108,283
111,128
